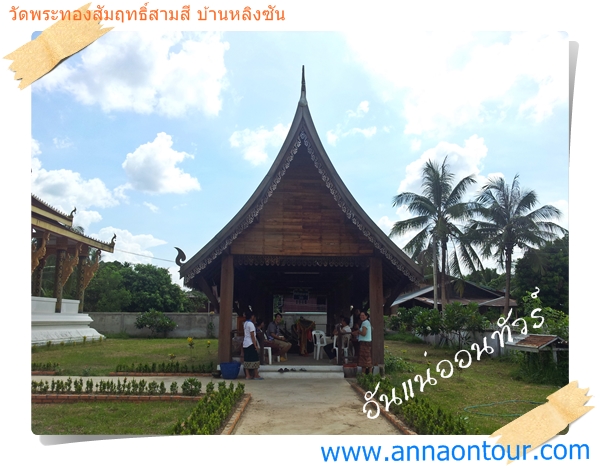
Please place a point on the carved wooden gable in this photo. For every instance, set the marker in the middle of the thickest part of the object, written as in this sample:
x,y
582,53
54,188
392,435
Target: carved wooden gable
x,y
302,218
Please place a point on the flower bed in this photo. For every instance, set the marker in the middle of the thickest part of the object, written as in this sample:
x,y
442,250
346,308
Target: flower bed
x,y
74,398
168,368
155,374
418,413
190,387
212,411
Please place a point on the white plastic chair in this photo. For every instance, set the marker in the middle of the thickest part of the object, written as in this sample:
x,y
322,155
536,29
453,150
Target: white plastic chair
x,y
319,341
345,347
269,354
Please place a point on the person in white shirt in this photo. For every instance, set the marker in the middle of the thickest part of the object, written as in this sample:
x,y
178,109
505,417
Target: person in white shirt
x,y
251,347
341,329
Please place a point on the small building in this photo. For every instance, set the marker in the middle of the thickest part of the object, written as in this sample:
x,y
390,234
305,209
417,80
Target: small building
x,y
56,319
485,298
301,245
538,344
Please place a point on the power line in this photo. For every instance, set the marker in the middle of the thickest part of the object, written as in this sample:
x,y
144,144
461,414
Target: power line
x,y
144,255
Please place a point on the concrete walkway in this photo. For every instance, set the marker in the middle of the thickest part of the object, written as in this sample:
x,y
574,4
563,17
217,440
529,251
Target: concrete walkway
x,y
291,405
307,406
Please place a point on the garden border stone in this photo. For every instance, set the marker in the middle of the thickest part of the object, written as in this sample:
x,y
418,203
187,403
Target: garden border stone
x,y
389,416
76,397
159,374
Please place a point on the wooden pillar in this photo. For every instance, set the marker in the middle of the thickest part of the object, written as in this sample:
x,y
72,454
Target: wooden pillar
x,y
37,278
58,278
83,255
376,307
226,308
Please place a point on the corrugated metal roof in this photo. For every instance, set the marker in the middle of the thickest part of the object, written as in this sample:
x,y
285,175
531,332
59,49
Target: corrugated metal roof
x,y
536,341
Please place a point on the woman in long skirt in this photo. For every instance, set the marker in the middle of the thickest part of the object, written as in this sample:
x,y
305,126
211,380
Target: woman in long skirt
x,y
250,345
364,340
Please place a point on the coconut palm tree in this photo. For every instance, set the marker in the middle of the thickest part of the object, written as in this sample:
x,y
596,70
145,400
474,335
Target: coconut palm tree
x,y
437,212
508,221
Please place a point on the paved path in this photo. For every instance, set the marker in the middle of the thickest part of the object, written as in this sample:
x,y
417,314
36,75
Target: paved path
x,y
307,406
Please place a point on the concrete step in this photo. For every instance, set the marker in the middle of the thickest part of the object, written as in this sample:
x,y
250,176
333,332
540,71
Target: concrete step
x,y
302,375
300,368
299,371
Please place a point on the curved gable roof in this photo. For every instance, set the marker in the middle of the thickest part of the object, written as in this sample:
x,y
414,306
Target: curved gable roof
x,y
302,132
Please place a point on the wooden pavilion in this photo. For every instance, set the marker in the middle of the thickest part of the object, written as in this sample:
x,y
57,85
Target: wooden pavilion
x,y
301,244
56,319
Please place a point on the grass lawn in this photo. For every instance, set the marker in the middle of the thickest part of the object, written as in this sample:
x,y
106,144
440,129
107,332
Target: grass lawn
x,y
484,382
101,358
108,418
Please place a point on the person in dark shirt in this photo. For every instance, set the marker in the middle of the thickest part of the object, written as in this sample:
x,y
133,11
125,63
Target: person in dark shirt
x,y
274,332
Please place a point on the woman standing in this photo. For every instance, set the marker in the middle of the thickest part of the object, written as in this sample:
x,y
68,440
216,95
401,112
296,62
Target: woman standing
x,y
364,340
250,345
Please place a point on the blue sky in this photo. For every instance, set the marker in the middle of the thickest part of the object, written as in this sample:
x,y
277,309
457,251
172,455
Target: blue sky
x,y
161,138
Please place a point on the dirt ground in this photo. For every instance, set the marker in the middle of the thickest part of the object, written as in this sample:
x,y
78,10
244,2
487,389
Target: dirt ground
x,y
308,406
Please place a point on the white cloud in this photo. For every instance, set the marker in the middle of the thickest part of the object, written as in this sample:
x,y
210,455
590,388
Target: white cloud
x,y
35,147
341,131
66,189
84,218
129,247
366,132
386,224
150,206
462,161
332,137
450,80
361,110
169,74
151,168
174,271
254,143
415,144
63,143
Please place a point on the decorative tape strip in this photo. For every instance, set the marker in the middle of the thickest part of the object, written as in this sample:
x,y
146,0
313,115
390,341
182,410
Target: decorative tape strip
x,y
61,40
542,423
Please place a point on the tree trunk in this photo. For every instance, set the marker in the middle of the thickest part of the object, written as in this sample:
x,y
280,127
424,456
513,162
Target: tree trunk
x,y
443,279
435,278
507,285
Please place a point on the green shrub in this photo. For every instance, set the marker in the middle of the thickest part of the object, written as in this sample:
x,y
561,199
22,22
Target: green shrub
x,y
392,322
211,411
156,321
540,368
396,363
191,387
418,413
555,322
427,322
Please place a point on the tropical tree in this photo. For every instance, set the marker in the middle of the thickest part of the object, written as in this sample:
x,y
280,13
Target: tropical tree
x,y
438,212
506,220
548,269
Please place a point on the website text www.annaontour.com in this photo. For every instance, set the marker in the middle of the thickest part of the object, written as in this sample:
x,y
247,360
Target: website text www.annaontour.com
x,y
474,452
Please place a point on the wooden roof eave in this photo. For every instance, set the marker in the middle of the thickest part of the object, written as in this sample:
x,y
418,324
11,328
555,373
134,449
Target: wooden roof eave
x,y
214,243
63,231
381,237
46,210
302,120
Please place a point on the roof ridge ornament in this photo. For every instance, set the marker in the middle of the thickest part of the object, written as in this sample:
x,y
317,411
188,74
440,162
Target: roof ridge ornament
x,y
303,102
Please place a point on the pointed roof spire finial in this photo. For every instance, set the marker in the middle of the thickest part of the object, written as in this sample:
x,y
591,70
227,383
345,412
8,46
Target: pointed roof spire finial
x,y
303,102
